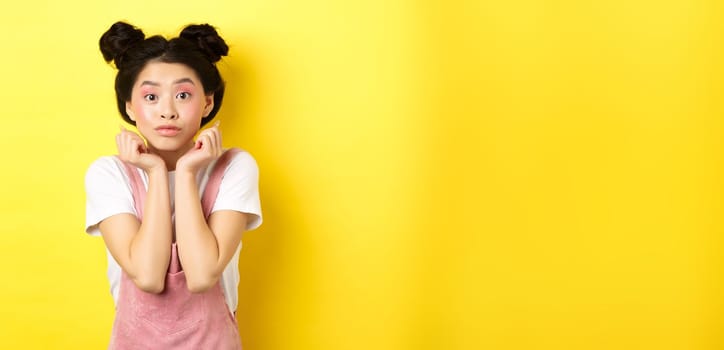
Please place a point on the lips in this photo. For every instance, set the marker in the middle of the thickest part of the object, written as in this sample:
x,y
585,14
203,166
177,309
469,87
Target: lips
x,y
168,130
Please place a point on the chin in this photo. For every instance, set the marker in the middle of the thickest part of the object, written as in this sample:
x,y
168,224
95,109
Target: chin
x,y
168,145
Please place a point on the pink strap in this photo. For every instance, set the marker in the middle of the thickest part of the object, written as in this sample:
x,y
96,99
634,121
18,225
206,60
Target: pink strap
x,y
138,190
212,186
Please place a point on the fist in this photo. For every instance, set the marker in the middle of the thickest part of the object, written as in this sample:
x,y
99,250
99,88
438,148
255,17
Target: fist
x,y
132,149
206,148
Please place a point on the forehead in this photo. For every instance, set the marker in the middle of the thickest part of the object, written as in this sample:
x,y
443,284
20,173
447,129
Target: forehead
x,y
165,74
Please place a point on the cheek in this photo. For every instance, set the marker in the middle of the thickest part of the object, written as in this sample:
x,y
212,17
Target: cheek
x,y
191,111
143,114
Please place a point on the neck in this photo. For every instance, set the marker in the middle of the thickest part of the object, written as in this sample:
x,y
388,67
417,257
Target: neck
x,y
172,156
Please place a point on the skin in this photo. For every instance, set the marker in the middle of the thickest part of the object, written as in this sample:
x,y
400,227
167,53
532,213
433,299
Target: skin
x,y
167,104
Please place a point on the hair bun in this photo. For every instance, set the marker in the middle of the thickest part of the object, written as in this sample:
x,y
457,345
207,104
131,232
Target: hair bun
x,y
207,39
118,39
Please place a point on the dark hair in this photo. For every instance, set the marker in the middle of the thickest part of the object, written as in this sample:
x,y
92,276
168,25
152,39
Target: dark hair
x,y
198,46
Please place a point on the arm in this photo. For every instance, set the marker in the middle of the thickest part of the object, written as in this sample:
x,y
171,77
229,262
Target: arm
x,y
142,250
204,248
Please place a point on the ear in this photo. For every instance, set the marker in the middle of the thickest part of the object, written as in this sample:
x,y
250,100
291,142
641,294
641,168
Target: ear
x,y
129,111
209,105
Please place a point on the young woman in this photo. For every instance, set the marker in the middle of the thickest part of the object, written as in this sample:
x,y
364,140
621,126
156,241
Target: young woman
x,y
171,206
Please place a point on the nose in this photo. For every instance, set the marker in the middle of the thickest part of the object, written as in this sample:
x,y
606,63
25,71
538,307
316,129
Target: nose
x,y
168,111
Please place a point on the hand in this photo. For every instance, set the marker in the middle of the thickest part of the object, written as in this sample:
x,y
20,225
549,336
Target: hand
x,y
206,148
132,149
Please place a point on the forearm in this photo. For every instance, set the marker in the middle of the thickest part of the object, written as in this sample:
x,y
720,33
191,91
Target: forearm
x,y
150,248
197,246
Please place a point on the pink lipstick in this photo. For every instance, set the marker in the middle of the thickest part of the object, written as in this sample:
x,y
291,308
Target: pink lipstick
x,y
168,130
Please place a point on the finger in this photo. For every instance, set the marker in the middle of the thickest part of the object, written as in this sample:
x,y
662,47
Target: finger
x,y
118,143
126,136
210,146
214,137
132,147
123,143
208,137
142,147
126,141
122,148
203,141
216,140
125,131
138,142
219,144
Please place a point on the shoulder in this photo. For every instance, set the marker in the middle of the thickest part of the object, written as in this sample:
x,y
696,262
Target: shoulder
x,y
104,163
108,192
239,188
241,163
241,173
104,170
243,159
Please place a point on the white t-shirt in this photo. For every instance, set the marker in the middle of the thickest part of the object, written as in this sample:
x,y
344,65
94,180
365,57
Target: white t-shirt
x,y
108,192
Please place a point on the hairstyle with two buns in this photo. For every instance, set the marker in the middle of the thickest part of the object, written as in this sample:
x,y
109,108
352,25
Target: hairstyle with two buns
x,y
198,46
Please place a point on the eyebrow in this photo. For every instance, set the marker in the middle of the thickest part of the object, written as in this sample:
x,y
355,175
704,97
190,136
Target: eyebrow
x,y
182,80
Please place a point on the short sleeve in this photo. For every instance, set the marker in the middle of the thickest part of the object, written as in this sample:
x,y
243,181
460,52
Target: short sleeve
x,y
107,193
239,189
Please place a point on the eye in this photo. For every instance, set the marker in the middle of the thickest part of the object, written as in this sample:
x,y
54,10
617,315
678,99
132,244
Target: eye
x,y
150,97
183,95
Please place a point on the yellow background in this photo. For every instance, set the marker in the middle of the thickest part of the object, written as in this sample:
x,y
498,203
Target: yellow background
x,y
434,174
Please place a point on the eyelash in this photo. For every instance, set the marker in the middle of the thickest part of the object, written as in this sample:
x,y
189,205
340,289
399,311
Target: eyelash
x,y
153,97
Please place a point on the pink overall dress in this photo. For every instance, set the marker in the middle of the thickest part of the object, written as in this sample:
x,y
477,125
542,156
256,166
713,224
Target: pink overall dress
x,y
175,318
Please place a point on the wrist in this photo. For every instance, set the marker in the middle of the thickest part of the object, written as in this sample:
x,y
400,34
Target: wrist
x,y
157,169
183,172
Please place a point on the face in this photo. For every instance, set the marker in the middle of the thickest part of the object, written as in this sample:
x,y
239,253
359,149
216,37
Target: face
x,y
167,104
